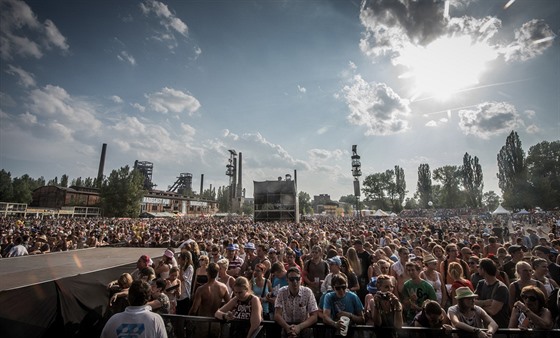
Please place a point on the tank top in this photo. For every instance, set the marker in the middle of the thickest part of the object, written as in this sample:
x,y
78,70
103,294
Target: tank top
x,y
436,284
242,318
258,291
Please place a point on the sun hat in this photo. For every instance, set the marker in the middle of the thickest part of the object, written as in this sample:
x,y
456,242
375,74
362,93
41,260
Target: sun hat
x,y
429,258
232,247
249,246
464,292
168,253
372,285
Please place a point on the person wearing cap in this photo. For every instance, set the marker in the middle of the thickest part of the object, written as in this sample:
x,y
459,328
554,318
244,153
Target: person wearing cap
x,y
516,253
543,252
467,316
164,265
251,260
493,294
334,267
432,276
235,261
137,315
272,256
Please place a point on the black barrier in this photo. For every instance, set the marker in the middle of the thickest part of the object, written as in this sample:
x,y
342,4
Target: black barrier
x,y
210,327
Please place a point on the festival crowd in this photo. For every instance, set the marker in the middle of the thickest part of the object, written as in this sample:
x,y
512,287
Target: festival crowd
x,y
471,274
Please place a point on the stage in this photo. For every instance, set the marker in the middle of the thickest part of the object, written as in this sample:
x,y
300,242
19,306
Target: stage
x,y
63,293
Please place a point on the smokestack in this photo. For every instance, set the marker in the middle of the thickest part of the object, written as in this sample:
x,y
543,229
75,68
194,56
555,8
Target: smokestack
x,y
201,184
240,173
101,165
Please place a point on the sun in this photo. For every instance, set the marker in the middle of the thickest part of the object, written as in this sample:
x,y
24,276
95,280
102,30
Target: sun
x,y
445,66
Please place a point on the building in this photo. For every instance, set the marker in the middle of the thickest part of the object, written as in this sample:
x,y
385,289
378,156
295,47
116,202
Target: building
x,y
158,203
276,200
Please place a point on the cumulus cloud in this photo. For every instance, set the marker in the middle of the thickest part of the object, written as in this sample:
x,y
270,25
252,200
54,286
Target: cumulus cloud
x,y
188,130
173,100
28,118
376,106
489,119
24,78
532,129
17,21
125,57
530,114
138,106
167,19
116,99
531,40
53,103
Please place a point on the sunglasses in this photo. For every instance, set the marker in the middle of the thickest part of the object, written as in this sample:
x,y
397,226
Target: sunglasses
x,y
294,279
340,287
529,298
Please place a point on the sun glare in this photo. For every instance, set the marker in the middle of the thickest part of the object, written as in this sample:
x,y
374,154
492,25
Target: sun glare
x,y
445,66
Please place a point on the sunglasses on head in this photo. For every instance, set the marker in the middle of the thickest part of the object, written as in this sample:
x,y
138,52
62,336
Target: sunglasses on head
x,y
340,287
294,279
529,298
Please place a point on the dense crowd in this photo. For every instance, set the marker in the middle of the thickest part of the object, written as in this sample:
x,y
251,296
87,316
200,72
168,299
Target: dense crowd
x,y
463,272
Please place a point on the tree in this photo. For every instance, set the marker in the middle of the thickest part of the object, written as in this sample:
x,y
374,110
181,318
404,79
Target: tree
x,y
64,181
23,188
351,202
304,201
449,177
411,203
400,188
77,182
121,193
512,173
54,181
424,185
472,180
376,187
490,200
6,186
543,166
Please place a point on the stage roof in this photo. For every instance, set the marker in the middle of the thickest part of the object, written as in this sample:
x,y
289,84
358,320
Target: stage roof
x,y
22,271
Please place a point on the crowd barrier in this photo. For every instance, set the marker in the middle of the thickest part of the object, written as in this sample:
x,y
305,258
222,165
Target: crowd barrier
x,y
201,327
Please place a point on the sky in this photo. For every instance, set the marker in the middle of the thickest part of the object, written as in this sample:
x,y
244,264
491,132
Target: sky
x,y
291,84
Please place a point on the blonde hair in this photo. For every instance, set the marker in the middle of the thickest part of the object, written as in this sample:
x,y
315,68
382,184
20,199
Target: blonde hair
x,y
353,261
455,270
242,282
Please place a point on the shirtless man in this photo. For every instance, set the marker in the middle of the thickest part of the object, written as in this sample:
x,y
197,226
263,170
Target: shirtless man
x,y
214,294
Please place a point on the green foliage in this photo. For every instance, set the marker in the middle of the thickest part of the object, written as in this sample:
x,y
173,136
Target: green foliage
x,y
64,181
449,176
512,174
385,190
472,180
490,200
23,188
400,189
121,193
424,185
411,203
304,201
543,166
6,186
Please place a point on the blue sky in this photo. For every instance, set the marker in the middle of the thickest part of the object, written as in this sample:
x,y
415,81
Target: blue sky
x,y
290,84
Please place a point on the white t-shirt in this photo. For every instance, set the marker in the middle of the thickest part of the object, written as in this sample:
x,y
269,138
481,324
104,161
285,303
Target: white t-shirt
x,y
135,321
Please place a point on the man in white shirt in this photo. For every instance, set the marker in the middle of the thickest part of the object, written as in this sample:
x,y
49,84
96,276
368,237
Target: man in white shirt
x,y
137,320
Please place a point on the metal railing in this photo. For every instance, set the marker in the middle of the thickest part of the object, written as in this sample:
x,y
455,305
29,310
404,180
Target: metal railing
x,y
200,327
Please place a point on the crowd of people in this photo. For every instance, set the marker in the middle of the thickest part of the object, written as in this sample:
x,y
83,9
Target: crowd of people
x,y
472,274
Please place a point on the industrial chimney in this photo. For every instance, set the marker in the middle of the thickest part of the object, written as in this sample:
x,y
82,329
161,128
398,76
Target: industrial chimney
x,y
201,184
240,173
101,165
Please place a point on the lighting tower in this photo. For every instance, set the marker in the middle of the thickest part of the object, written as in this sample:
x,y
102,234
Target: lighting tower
x,y
231,171
356,172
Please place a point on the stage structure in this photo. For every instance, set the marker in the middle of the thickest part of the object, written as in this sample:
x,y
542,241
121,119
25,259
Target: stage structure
x,y
183,185
146,168
356,172
276,200
235,174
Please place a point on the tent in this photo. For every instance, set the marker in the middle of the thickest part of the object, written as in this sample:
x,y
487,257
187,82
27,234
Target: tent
x,y
522,212
380,213
500,211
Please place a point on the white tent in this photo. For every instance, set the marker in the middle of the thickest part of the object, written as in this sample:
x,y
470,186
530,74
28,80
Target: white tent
x,y
500,211
380,213
522,212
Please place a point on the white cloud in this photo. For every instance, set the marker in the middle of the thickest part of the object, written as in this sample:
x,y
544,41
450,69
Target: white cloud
x,y
125,57
531,40
54,36
431,123
188,130
532,129
138,106
489,119
530,114
322,130
16,20
116,99
172,100
167,18
376,107
25,79
28,118
301,89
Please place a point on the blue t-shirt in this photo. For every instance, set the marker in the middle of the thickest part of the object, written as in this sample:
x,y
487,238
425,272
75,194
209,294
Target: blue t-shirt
x,y
349,303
